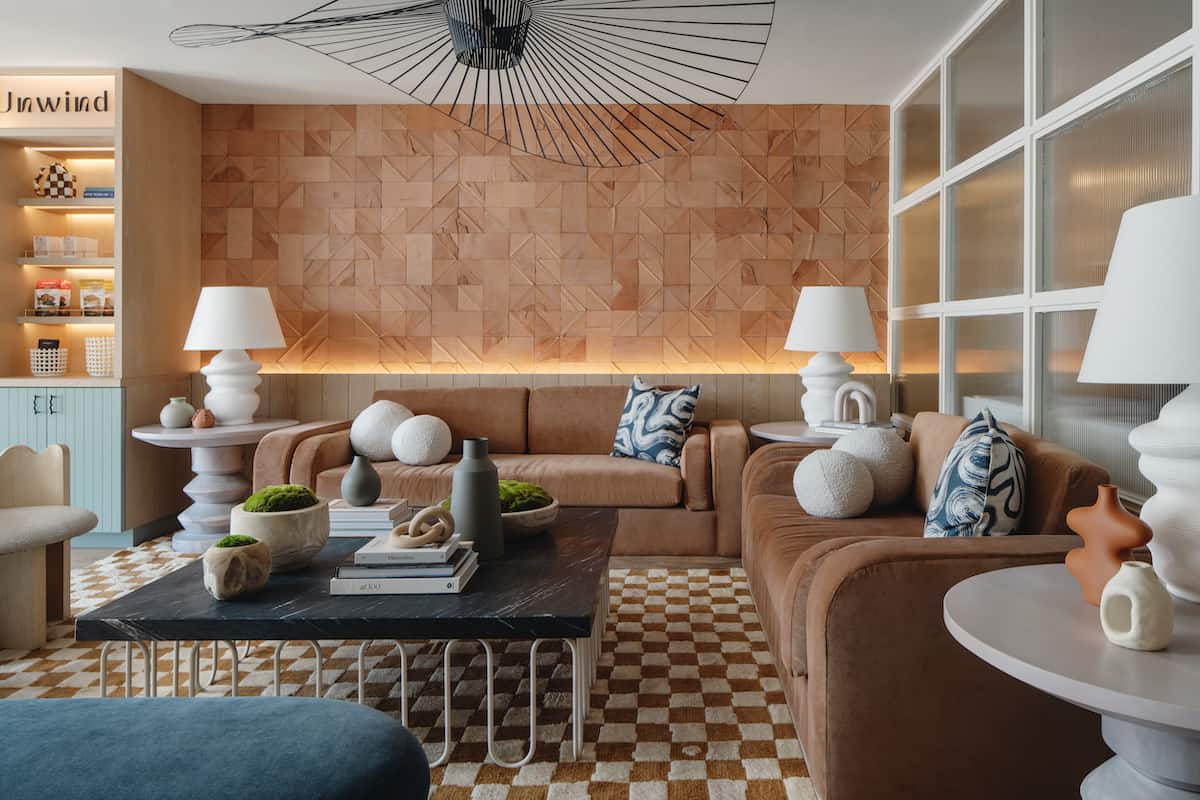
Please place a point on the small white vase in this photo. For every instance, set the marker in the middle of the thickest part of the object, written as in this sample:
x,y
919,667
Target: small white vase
x,y
177,413
1136,610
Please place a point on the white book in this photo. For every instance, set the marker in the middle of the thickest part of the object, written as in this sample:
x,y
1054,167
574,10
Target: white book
x,y
350,570
381,551
452,585
380,509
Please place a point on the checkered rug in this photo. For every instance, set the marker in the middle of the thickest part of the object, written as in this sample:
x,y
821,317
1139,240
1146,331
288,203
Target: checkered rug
x,y
686,702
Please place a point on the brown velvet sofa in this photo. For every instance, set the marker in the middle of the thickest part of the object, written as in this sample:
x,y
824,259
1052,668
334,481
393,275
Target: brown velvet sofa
x,y
559,437
885,702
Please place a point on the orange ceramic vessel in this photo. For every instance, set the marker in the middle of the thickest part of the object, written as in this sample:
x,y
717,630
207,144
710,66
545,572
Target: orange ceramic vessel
x,y
1109,533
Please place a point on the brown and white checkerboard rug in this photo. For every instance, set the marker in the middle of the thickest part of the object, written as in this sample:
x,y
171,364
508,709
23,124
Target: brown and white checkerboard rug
x,y
686,702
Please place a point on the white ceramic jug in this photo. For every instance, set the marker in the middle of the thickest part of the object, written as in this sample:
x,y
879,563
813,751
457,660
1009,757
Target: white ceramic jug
x,y
1136,610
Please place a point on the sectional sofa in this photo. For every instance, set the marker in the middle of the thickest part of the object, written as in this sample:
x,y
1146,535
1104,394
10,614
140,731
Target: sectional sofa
x,y
559,437
885,703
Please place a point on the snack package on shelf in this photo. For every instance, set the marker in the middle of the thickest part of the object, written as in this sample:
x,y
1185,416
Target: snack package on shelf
x,y
93,295
64,298
108,298
45,298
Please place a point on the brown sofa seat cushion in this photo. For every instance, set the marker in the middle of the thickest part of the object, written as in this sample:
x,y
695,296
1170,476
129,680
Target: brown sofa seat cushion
x,y
575,419
499,413
782,537
574,480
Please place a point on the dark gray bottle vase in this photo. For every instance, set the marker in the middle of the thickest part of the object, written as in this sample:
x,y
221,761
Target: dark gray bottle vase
x,y
361,485
475,500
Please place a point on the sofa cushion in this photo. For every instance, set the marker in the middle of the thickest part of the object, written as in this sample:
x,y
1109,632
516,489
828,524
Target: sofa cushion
x,y
499,413
574,419
573,480
782,536
276,747
655,422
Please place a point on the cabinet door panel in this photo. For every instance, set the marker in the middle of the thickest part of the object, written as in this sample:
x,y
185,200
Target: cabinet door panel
x,y
88,422
19,424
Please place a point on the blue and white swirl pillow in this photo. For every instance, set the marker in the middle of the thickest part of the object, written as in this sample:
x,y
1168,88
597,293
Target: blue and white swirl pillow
x,y
981,488
655,422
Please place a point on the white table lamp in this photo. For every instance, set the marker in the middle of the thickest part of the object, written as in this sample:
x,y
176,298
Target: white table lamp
x,y
1147,330
233,319
829,321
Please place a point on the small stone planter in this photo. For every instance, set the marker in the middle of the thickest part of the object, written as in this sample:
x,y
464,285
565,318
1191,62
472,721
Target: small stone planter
x,y
237,570
293,537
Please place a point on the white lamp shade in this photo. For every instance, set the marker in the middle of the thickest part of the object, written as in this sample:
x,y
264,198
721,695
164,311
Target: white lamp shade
x,y
1147,329
832,319
234,318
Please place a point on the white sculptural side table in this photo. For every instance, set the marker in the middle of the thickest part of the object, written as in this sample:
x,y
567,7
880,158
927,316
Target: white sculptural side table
x,y
218,485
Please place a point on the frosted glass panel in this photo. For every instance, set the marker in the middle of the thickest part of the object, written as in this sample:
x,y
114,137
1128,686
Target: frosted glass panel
x,y
919,124
917,273
987,83
1086,41
1092,419
1132,151
987,355
987,232
916,380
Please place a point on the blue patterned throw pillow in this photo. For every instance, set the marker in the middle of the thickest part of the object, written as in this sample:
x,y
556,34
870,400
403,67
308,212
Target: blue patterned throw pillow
x,y
981,488
655,422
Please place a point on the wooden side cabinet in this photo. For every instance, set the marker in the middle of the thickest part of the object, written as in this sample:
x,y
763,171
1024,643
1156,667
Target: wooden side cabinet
x,y
90,422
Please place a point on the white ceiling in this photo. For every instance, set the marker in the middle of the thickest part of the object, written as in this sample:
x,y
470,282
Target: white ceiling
x,y
837,51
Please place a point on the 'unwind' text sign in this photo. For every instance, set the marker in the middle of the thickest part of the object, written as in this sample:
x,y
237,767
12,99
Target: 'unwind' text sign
x,y
57,101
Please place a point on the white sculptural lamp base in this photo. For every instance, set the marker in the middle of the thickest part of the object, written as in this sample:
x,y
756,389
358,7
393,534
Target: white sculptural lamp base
x,y
822,376
233,383
1170,459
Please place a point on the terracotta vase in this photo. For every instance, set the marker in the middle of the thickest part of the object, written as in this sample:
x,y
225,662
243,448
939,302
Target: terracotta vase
x,y
1109,535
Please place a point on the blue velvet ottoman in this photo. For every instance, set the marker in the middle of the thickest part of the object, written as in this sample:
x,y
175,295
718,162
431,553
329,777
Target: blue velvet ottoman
x,y
206,748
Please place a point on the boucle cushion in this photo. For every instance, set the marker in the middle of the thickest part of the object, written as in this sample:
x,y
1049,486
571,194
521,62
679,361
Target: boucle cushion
x,y
421,441
371,432
886,456
830,483
981,488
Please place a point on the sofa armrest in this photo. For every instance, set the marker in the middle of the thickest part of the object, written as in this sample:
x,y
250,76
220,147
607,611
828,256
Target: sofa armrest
x,y
316,454
276,451
695,463
729,446
769,471
886,678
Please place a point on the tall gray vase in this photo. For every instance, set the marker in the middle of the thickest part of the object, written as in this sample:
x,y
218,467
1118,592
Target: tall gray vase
x,y
475,500
361,485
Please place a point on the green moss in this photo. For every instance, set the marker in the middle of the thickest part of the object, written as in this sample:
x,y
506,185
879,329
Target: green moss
x,y
235,540
517,496
288,497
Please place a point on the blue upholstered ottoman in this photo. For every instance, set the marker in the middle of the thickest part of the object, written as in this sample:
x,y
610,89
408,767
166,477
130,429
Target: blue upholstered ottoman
x,y
207,749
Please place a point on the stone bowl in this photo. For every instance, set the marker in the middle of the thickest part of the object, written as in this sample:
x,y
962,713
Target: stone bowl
x,y
293,537
525,524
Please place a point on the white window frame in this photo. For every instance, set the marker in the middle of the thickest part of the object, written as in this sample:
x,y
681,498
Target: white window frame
x,y
1031,302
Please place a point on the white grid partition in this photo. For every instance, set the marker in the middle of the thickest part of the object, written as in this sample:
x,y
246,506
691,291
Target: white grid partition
x,y
1109,417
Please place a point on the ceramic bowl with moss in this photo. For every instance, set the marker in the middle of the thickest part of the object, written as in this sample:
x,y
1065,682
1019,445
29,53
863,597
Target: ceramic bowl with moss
x,y
526,509
291,520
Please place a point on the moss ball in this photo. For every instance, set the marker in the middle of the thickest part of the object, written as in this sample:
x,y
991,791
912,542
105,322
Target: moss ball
x,y
517,496
235,540
288,497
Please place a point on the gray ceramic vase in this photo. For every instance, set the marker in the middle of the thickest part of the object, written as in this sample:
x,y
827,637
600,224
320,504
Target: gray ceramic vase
x,y
361,485
475,500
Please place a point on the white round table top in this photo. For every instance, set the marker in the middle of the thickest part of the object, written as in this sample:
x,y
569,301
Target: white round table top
x,y
1033,624
216,436
790,432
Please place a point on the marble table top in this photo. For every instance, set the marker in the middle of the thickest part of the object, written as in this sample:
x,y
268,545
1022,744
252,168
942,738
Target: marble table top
x,y
216,436
1032,623
544,588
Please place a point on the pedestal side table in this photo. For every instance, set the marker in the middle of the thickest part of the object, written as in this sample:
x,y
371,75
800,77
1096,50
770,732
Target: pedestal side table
x,y
1032,623
218,485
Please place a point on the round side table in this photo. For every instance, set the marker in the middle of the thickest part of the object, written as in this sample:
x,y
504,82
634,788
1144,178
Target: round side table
x,y
218,485
1032,623
796,432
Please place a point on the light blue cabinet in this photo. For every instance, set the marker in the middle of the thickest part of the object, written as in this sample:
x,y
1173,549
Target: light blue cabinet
x,y
90,422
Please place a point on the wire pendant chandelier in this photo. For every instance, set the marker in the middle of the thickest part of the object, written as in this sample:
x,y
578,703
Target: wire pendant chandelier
x,y
587,82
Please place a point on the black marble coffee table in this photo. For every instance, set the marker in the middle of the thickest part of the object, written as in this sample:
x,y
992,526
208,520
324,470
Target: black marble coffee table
x,y
552,587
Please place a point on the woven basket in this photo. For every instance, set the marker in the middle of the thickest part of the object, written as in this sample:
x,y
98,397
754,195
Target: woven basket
x,y
99,351
48,363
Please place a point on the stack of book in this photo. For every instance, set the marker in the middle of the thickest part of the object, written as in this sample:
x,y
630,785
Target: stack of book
x,y
380,567
373,520
99,192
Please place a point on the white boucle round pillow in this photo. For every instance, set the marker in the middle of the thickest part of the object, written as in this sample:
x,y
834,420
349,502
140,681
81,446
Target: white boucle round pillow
x,y
421,441
886,456
371,432
830,483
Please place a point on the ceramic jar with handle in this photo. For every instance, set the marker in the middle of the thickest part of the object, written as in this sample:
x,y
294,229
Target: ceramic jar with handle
x,y
475,500
1136,610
